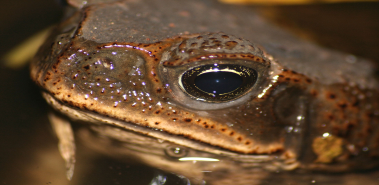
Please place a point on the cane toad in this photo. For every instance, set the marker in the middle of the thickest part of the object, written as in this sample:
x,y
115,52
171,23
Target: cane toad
x,y
211,77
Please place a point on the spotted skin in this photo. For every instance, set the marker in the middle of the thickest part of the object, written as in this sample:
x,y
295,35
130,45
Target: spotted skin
x,y
120,62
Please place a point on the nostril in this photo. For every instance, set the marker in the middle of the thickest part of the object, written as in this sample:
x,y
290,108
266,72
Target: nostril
x,y
176,151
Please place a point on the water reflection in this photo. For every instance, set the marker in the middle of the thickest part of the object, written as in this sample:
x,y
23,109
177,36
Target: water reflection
x,y
159,179
162,178
198,167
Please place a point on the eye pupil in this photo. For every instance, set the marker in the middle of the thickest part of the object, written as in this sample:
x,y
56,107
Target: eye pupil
x,y
218,82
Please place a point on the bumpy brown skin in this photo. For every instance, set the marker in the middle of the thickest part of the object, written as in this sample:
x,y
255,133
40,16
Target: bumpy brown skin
x,y
107,59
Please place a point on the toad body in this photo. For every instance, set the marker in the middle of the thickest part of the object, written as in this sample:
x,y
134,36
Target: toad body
x,y
212,78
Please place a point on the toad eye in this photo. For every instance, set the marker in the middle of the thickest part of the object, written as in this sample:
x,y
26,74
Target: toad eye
x,y
217,82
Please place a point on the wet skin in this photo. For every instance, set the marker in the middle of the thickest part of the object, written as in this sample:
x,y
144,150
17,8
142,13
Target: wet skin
x,y
128,65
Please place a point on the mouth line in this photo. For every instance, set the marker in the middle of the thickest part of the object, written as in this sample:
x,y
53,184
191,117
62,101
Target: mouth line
x,y
76,114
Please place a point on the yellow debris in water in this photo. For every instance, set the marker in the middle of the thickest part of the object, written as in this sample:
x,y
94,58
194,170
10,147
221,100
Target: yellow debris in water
x,y
284,2
21,54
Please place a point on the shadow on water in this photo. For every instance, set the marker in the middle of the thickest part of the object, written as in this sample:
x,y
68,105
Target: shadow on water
x,y
29,154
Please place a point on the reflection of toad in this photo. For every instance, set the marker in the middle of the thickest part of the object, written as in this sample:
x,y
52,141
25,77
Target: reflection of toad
x,y
327,148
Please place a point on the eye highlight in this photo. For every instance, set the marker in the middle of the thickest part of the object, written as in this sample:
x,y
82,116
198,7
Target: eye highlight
x,y
217,82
